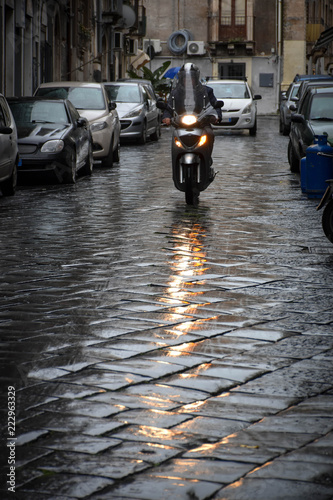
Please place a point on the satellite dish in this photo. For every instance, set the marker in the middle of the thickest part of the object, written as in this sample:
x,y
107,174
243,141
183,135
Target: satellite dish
x,y
129,16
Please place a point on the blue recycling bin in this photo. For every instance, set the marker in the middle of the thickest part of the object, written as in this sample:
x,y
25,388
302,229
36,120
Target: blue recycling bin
x,y
318,168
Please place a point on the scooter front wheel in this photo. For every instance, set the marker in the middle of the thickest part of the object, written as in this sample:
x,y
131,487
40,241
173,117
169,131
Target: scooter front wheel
x,y
327,220
191,194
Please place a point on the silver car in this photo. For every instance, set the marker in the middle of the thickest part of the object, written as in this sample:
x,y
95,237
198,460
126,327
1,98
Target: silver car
x,y
136,106
240,107
9,157
92,102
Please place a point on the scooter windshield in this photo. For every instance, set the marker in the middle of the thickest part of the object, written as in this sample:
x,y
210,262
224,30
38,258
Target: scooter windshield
x,y
189,95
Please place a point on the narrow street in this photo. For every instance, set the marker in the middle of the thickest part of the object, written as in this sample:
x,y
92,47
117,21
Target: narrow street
x,y
158,351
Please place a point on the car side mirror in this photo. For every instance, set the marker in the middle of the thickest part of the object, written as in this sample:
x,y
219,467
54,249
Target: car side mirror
x,y
293,108
257,97
81,122
297,118
6,130
112,105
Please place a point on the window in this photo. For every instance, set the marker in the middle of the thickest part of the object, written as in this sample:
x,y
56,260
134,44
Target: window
x,y
2,118
232,70
5,112
233,19
233,12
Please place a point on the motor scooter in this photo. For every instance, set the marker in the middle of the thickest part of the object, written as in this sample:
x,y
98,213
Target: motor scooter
x,y
192,140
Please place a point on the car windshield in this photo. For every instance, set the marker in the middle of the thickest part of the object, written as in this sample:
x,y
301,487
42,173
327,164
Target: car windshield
x,y
322,107
124,93
227,90
39,112
80,97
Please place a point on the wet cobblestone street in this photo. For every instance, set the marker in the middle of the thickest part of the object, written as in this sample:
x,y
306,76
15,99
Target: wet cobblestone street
x,y
160,351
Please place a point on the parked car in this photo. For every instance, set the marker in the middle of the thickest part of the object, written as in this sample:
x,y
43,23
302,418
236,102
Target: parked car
x,y
9,156
305,84
92,102
140,80
52,136
136,105
300,78
285,112
240,107
314,117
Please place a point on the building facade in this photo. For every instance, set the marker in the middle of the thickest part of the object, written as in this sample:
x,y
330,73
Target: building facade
x,y
267,41
45,40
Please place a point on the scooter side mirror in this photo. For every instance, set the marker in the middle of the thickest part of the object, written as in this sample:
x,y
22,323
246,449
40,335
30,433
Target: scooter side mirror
x,y
161,104
219,104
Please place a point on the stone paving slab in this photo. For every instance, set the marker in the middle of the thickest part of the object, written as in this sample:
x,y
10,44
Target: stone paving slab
x,y
161,391
281,489
239,406
66,485
128,400
173,487
103,465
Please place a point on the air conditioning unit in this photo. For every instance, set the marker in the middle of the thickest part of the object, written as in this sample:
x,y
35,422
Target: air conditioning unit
x,y
132,46
118,40
152,42
196,48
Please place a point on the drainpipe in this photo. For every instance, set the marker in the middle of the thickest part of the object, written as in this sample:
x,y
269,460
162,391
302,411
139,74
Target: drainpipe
x,y
279,47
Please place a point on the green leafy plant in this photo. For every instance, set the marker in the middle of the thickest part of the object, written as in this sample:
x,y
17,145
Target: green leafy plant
x,y
161,85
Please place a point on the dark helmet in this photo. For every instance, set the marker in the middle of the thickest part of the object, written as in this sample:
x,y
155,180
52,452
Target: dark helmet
x,y
191,70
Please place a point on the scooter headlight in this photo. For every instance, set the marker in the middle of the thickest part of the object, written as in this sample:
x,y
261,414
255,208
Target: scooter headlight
x,y
189,120
178,143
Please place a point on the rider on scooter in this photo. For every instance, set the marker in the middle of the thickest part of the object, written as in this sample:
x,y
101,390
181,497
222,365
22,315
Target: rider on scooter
x,y
200,90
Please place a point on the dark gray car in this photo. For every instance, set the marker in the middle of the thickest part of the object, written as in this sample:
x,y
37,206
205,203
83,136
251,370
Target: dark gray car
x,y
314,117
285,113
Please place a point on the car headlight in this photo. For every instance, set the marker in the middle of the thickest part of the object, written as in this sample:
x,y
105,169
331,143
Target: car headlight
x,y
55,146
133,113
95,127
247,109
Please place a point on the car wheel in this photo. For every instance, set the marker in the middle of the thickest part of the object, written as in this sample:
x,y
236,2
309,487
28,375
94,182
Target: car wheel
x,y
69,176
108,160
143,138
116,153
284,129
253,130
292,158
88,166
157,134
327,220
8,187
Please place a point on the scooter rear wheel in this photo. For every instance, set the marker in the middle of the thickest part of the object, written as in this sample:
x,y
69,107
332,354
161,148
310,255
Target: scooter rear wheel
x,y
327,220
